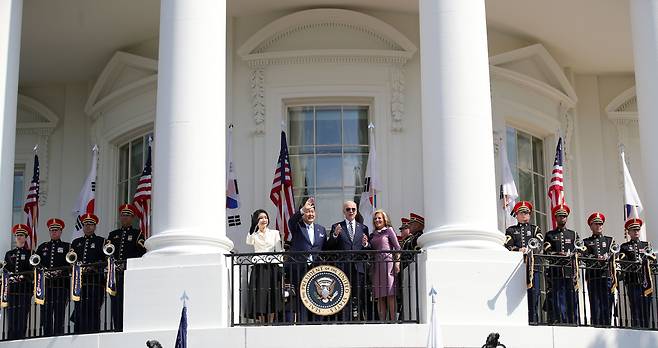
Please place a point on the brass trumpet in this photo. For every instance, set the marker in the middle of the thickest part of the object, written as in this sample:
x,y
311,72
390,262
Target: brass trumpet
x,y
615,248
533,243
108,248
71,257
35,260
579,245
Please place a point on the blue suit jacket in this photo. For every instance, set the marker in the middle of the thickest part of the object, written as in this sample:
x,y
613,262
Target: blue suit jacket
x,y
300,240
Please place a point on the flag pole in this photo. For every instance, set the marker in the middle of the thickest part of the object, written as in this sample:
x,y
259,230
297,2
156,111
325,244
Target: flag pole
x,y
35,218
371,129
283,195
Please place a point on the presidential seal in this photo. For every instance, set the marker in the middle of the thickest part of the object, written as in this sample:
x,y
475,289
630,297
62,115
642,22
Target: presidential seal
x,y
325,290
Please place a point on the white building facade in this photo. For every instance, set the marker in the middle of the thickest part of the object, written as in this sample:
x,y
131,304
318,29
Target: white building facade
x,y
449,85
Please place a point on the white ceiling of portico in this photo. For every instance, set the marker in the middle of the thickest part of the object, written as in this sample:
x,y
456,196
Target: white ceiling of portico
x,y
72,40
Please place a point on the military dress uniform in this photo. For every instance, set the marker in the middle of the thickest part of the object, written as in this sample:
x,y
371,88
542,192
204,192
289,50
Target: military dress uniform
x,y
561,275
20,286
517,237
128,243
58,281
89,250
598,276
635,282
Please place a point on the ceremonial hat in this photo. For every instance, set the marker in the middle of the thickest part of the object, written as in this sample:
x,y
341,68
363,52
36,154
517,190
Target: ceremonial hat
x,y
416,218
596,218
89,218
561,210
633,224
522,207
55,224
21,229
127,210
405,223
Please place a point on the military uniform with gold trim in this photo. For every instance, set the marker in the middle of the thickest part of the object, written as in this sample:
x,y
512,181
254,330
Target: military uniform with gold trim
x,y
57,283
637,282
20,287
89,249
599,278
517,237
561,275
128,243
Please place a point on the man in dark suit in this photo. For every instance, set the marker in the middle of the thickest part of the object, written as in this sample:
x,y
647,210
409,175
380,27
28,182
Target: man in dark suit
x,y
309,237
351,235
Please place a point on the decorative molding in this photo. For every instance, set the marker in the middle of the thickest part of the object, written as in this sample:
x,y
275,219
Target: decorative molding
x,y
397,51
397,97
539,53
531,83
254,49
622,110
36,119
106,93
498,139
258,99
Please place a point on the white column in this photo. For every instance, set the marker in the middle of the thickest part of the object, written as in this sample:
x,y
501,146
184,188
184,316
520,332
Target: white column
x,y
189,215
186,251
478,281
644,23
11,15
458,157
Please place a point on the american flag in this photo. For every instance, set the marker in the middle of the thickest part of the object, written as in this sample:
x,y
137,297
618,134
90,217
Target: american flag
x,y
142,198
282,194
31,206
556,187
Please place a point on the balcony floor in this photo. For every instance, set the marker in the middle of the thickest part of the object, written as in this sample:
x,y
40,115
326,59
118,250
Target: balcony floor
x,y
360,336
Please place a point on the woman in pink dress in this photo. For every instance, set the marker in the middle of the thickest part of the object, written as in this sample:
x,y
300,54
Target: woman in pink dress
x,y
386,266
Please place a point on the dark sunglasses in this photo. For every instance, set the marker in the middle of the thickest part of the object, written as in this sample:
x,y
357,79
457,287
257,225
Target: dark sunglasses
x,y
350,209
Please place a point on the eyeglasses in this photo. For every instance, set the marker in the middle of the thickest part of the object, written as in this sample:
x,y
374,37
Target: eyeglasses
x,y
350,209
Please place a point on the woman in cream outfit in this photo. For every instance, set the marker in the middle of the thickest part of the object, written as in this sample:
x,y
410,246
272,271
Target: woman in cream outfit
x,y
264,290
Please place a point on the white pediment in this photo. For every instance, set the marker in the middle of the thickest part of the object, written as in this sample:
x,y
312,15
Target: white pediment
x,y
327,35
123,75
623,107
535,65
34,117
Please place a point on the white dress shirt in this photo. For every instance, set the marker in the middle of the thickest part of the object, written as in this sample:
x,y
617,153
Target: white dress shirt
x,y
266,242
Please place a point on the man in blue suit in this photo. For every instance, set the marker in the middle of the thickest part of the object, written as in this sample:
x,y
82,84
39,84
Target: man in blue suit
x,y
349,234
307,236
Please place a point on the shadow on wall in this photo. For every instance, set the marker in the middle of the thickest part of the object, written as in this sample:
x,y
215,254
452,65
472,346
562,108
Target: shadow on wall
x,y
514,294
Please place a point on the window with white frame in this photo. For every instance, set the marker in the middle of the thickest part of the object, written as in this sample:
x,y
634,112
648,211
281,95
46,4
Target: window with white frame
x,y
526,158
132,157
328,145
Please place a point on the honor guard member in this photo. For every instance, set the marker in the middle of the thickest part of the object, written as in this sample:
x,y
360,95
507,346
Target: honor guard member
x,y
89,251
635,280
20,288
57,284
563,300
416,226
517,238
404,230
128,243
598,276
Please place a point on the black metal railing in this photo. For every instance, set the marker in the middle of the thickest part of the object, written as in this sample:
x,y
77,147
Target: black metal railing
x,y
23,318
295,288
599,293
